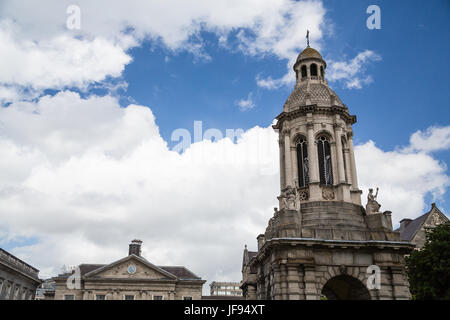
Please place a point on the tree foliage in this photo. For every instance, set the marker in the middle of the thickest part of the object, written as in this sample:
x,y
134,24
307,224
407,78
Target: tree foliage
x,y
429,269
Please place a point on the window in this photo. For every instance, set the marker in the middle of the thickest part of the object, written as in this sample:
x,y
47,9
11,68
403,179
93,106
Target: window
x,y
157,297
8,292
69,297
304,71
313,69
322,73
324,154
129,297
302,162
187,298
100,297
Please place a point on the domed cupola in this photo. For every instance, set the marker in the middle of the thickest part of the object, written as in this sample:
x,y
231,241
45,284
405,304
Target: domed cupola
x,y
310,66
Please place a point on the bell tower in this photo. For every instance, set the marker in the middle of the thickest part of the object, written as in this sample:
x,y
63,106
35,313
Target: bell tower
x,y
321,242
316,137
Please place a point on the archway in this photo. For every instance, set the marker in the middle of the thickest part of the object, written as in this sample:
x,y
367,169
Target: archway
x,y
344,287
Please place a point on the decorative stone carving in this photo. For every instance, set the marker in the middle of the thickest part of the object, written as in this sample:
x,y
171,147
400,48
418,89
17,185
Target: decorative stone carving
x,y
288,198
372,205
327,193
303,194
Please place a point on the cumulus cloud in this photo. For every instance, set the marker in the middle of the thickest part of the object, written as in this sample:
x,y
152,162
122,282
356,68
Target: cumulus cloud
x,y
83,176
86,175
246,104
433,139
404,179
39,52
352,73
60,62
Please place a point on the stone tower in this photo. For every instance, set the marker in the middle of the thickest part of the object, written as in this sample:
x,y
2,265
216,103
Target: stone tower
x,y
322,242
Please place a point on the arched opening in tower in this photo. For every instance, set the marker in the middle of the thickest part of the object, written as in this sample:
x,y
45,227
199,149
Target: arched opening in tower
x,y
345,287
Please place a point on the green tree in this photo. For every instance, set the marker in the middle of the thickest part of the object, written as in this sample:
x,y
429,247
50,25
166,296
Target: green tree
x,y
429,269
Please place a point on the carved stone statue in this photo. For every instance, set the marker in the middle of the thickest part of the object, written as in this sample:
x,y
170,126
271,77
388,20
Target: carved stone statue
x,y
372,205
289,198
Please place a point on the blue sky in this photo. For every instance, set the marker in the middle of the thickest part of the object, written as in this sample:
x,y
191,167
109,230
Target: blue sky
x,y
83,169
409,92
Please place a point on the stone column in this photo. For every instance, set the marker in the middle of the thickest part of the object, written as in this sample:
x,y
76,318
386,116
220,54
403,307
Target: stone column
x,y
294,165
347,165
352,163
287,157
283,279
85,295
312,155
339,154
282,169
400,284
310,283
276,294
385,292
293,280
251,292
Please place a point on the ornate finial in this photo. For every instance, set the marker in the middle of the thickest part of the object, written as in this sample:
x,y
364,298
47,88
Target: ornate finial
x,y
307,37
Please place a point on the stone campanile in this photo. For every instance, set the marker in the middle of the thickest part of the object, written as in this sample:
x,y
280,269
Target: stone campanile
x,y
316,137
321,242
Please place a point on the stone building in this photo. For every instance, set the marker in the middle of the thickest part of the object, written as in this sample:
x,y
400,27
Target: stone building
x,y
18,280
322,242
130,278
415,230
225,289
46,290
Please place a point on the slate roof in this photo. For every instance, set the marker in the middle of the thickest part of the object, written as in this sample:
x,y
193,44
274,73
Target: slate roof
x,y
413,227
180,272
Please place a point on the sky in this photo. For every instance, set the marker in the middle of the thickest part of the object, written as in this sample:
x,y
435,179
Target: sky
x,y
152,120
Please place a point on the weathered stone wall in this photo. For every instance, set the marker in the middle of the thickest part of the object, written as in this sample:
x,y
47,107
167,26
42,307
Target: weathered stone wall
x,y
140,290
15,286
301,273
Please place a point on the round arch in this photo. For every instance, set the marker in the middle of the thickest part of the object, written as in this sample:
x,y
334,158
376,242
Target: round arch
x,y
325,133
297,137
345,287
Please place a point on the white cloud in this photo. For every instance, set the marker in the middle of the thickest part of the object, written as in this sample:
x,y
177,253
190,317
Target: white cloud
x,y
38,52
352,73
84,176
404,179
433,139
60,62
246,104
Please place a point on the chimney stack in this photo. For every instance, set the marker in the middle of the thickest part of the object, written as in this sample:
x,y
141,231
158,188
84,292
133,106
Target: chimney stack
x,y
404,223
135,248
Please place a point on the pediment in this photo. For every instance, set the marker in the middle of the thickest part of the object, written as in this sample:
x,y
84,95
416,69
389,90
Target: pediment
x,y
131,267
435,218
